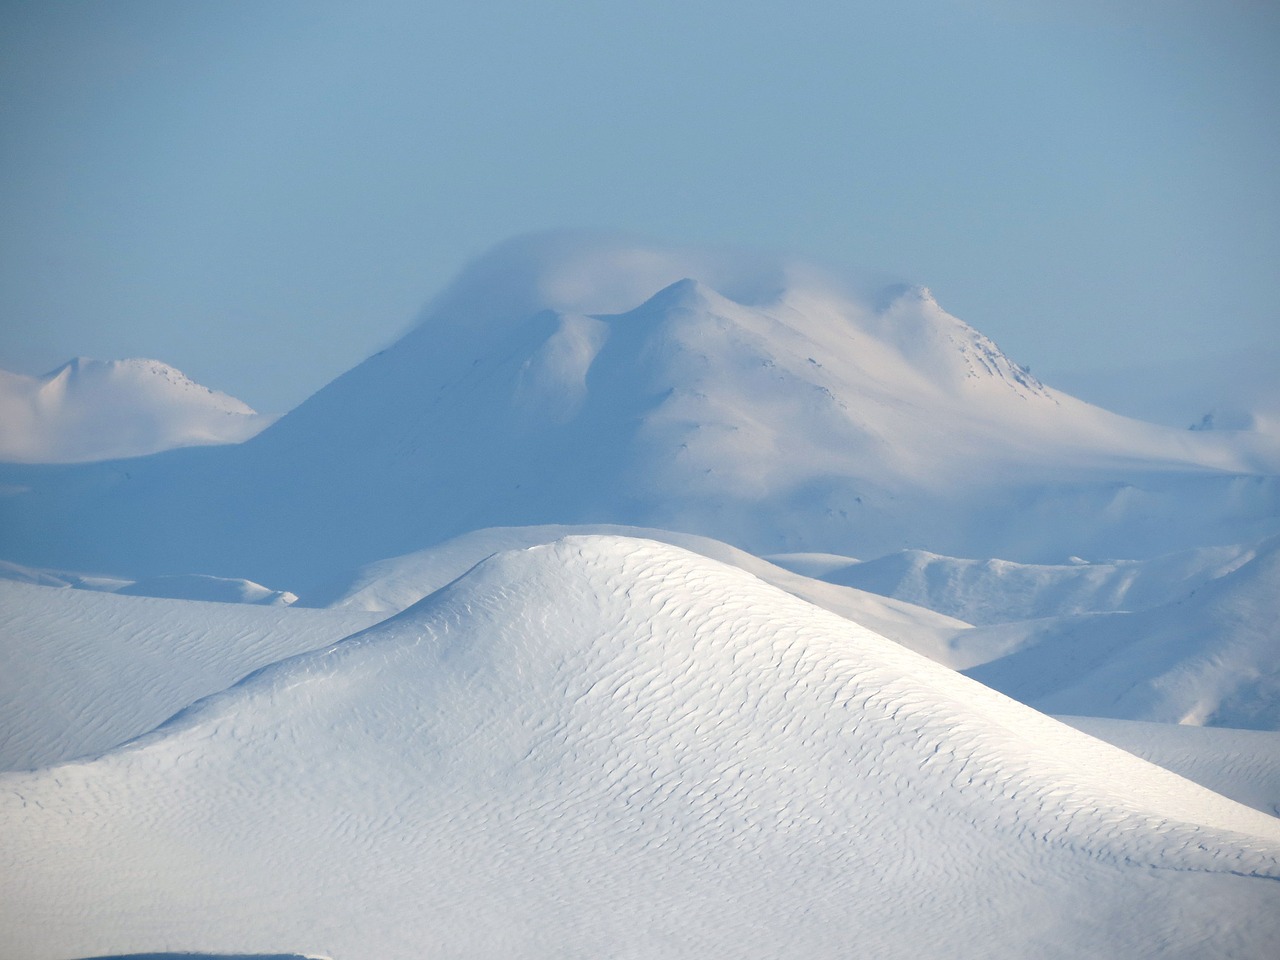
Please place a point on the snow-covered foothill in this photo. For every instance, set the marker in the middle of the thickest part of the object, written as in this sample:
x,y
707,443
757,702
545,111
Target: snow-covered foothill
x,y
604,747
985,592
81,671
90,410
1211,657
186,586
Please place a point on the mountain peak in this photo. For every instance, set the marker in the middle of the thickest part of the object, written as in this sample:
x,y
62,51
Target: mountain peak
x,y
91,409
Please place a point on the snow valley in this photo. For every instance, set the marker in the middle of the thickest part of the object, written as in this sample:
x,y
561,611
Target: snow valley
x,y
650,603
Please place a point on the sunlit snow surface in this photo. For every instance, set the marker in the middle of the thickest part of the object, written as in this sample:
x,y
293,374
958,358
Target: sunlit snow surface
x,y
610,747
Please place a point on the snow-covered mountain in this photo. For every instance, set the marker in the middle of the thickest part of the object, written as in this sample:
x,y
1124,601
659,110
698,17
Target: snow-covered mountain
x,y
471,736
985,592
766,406
1209,657
102,410
609,747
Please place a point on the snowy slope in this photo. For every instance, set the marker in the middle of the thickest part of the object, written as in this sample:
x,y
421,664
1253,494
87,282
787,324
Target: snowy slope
x,y
389,586
762,405
190,586
81,675
102,410
82,671
1209,658
604,748
1241,764
996,591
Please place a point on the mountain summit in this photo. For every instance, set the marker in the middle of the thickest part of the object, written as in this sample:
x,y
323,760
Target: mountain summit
x,y
764,404
89,410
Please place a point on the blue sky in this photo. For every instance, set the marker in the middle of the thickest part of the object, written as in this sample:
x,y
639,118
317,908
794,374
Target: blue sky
x,y
262,194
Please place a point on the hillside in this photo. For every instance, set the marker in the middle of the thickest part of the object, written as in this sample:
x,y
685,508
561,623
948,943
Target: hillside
x,y
610,747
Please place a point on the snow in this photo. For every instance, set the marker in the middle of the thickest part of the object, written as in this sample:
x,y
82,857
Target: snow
x,y
523,685
391,585
82,671
1241,764
1209,658
994,591
612,747
189,586
784,414
102,410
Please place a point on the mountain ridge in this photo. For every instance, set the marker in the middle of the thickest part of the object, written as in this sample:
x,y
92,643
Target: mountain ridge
x,y
795,418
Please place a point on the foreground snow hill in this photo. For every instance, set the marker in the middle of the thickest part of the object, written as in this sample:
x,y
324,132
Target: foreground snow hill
x,y
104,410
604,747
761,404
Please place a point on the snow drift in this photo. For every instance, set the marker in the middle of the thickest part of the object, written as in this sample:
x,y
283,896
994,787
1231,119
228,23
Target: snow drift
x,y
611,747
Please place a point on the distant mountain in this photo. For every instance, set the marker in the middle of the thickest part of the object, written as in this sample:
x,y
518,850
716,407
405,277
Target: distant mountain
x,y
767,406
90,410
1209,657
984,592
608,747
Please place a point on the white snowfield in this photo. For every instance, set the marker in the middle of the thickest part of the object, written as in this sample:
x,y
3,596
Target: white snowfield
x,y
611,747
1241,764
104,410
82,671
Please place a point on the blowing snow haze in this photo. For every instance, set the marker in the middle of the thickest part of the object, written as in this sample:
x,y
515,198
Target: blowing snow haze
x,y
639,602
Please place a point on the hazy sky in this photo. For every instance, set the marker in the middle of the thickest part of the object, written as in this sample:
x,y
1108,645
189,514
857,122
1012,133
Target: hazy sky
x,y
264,193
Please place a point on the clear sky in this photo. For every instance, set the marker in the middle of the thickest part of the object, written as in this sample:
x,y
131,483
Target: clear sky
x,y
263,193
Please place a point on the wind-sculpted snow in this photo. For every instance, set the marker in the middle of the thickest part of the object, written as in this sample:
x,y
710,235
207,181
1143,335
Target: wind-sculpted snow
x,y
605,747
390,585
1241,764
82,671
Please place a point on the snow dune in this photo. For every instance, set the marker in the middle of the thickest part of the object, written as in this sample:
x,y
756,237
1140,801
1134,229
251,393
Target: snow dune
x,y
609,747
391,585
82,671
104,410
1241,764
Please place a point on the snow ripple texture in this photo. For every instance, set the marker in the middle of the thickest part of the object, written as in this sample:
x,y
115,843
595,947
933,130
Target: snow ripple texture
x,y
610,747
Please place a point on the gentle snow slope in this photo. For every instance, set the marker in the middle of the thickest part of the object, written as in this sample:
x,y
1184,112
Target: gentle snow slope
x,y
102,410
609,748
1241,764
1209,658
81,671
390,585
